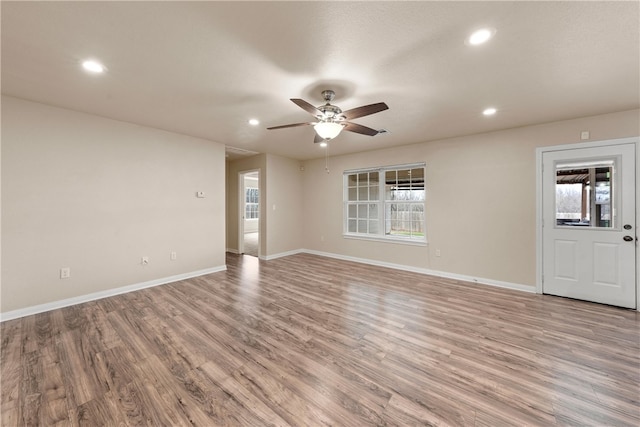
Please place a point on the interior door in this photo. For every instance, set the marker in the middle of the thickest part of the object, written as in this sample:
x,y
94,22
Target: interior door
x,y
589,230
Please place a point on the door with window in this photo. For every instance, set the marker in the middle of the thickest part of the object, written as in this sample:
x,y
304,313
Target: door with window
x,y
589,230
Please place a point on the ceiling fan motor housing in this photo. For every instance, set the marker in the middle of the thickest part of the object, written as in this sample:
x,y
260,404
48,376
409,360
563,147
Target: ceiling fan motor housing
x,y
330,112
328,95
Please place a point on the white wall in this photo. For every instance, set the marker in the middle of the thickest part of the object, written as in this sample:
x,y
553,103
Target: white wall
x,y
251,225
96,195
480,191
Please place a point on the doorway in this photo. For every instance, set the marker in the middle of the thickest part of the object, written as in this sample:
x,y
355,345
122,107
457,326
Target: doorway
x,y
587,222
249,213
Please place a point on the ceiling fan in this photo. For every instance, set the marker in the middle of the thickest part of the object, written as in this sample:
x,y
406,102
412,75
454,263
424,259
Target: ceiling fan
x,y
331,120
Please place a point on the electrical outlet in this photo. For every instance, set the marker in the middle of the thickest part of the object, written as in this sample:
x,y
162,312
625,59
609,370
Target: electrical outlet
x,y
65,272
438,252
145,260
174,256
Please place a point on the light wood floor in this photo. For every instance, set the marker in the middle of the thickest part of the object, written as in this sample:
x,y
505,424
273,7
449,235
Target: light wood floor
x,y
311,341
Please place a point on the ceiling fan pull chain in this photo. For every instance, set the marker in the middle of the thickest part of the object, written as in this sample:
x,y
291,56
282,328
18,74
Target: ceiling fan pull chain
x,y
326,157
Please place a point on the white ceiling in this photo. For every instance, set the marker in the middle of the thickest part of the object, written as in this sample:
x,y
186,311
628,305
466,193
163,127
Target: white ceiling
x,y
205,68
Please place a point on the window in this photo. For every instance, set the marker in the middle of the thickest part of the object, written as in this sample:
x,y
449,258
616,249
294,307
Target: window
x,y
386,203
252,203
584,195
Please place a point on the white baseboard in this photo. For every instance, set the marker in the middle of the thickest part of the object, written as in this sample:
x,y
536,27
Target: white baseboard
x,y
281,254
483,281
9,315
117,291
233,251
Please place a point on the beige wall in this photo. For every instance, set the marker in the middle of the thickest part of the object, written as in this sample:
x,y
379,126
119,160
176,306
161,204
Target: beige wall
x,y
283,205
481,194
257,162
280,186
96,195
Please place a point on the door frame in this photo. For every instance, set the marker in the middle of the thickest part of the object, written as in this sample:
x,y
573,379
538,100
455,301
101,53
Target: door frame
x,y
539,213
241,208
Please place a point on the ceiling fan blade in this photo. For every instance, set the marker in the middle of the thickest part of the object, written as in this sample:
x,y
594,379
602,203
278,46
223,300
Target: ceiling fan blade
x,y
306,106
317,139
291,125
354,127
365,110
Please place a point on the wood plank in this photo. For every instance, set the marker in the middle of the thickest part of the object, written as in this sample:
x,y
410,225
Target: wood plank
x,y
175,401
30,390
55,409
11,365
78,364
221,406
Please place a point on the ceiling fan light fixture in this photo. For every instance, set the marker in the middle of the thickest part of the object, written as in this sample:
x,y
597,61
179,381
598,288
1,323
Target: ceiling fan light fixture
x,y
328,130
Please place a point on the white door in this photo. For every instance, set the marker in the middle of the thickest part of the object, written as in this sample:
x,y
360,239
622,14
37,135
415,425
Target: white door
x,y
589,231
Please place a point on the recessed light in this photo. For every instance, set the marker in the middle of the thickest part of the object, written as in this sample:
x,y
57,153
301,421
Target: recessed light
x,y
480,36
489,111
93,66
254,122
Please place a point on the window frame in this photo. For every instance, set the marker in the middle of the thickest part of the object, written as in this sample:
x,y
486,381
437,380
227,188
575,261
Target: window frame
x,y
381,204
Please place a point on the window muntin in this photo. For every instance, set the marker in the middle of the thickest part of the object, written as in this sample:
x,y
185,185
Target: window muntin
x,y
386,202
362,216
252,203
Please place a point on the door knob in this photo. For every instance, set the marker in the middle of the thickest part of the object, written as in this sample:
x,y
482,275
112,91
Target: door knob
x,y
627,239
